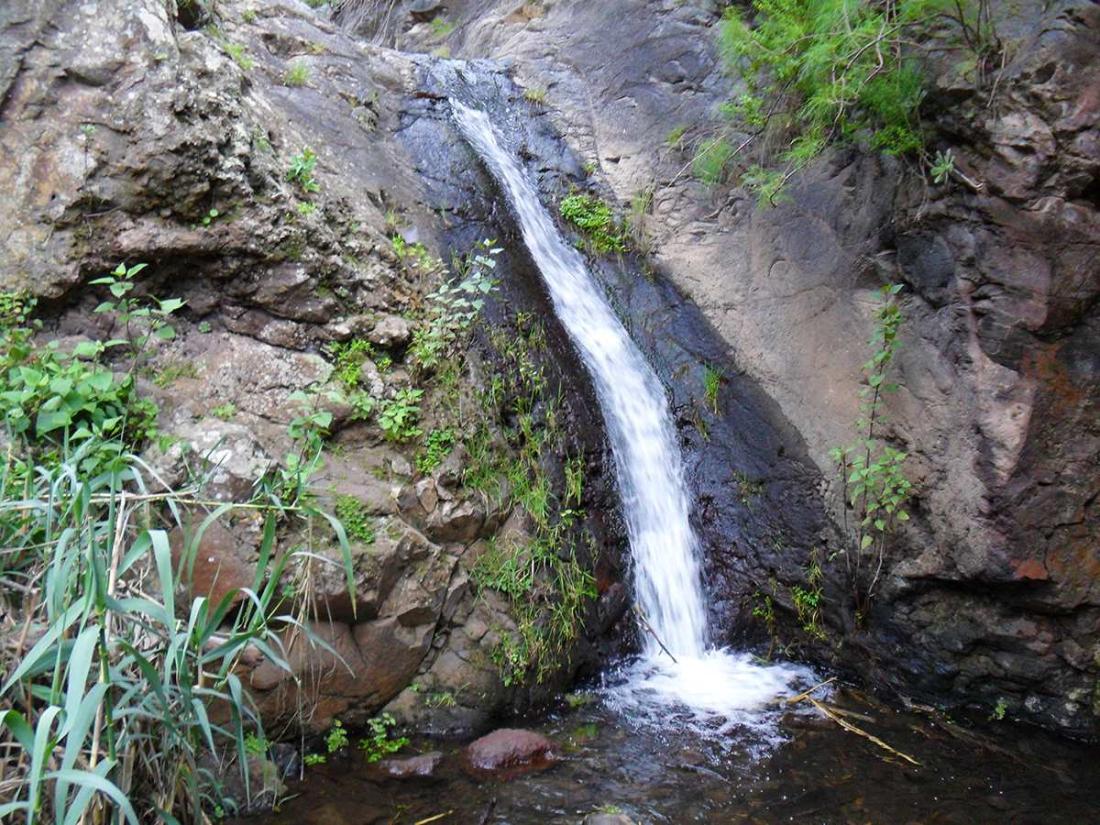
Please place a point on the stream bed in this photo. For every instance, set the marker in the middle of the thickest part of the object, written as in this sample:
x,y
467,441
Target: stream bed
x,y
794,766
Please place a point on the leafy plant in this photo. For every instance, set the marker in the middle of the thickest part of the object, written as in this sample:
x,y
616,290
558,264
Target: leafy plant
x,y
297,74
301,170
399,415
833,72
337,738
353,515
710,161
225,411
675,137
240,55
942,167
350,357
596,222
312,759
380,743
535,94
808,600
437,446
441,27
874,483
452,309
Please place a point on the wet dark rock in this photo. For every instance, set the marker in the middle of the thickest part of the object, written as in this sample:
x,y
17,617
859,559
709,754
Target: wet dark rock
x,y
412,767
509,751
608,819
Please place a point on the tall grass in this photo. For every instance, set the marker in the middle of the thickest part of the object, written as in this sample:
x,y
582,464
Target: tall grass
x,y
120,698
122,701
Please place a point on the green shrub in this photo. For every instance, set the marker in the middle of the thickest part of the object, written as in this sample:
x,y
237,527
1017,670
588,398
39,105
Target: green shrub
x,y
297,74
240,55
301,171
871,471
127,704
596,222
353,515
454,307
437,446
399,415
380,743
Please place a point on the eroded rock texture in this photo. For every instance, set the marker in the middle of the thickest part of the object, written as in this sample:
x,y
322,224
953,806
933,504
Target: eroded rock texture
x,y
124,125
136,131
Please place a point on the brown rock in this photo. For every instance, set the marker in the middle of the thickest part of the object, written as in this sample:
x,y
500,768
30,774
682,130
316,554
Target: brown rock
x,y
413,767
220,565
509,751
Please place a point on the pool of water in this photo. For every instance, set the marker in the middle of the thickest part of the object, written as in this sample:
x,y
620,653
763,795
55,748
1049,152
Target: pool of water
x,y
792,764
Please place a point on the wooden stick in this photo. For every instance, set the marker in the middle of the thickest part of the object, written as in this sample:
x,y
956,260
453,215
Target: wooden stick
x,y
807,693
435,818
649,627
848,726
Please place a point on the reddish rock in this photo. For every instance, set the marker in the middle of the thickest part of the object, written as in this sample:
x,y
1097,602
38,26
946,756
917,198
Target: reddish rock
x,y
220,564
510,751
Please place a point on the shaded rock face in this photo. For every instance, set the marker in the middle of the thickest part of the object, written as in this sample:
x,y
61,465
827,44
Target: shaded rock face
x,y
991,592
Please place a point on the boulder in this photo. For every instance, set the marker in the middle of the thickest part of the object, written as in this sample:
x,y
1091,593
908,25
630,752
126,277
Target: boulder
x,y
390,331
510,750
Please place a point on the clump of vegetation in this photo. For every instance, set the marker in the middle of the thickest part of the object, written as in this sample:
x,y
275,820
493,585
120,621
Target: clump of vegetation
x,y
109,707
297,74
594,218
441,26
451,309
353,515
301,171
832,72
542,578
640,205
169,374
380,743
872,473
398,416
535,94
809,600
712,383
437,446
240,55
675,137
225,411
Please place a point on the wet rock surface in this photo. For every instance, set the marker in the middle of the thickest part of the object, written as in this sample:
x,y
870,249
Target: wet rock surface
x,y
510,751
999,392
412,767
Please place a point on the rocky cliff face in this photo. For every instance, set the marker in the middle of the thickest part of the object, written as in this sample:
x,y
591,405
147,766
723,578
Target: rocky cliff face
x,y
992,592
143,132
124,126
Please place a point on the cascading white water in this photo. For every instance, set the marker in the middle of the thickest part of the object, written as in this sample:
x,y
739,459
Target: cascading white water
x,y
710,683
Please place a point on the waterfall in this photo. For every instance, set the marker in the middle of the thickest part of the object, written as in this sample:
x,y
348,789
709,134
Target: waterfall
x,y
656,506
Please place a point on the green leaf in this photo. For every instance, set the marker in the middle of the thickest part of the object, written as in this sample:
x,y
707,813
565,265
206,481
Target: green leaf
x,y
99,783
165,333
48,421
866,542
